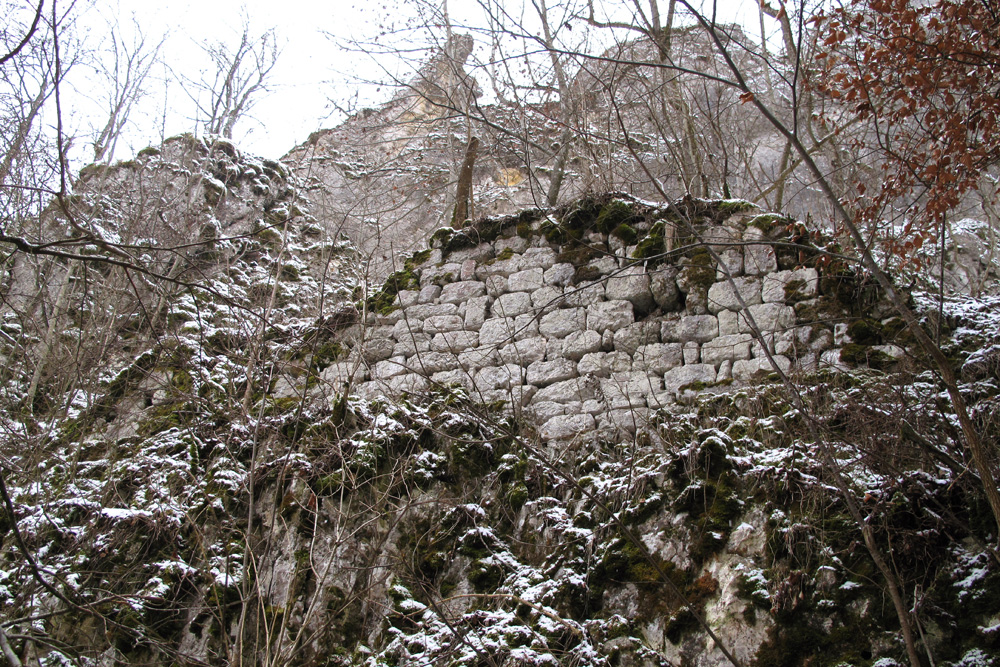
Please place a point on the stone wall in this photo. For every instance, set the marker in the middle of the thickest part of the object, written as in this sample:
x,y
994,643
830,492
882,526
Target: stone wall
x,y
584,332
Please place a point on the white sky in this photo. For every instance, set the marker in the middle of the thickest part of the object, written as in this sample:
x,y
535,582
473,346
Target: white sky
x,y
311,69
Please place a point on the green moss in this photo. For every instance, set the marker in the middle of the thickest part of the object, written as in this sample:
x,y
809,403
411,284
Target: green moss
x,y
586,274
326,354
182,381
623,562
383,302
416,259
164,417
653,244
613,215
505,254
517,497
865,332
149,151
699,267
266,235
578,255
864,355
768,222
794,290
485,577
820,310
729,207
581,216
626,233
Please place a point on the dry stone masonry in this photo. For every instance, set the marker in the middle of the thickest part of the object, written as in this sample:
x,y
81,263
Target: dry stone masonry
x,y
590,318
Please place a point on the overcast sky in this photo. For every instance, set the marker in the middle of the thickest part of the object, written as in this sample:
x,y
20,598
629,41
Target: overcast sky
x,y
311,71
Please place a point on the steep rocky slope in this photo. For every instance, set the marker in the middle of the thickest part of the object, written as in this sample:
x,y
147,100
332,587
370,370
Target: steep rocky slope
x,y
548,439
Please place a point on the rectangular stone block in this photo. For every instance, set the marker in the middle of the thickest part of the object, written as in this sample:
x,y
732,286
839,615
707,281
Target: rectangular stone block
x,y
461,292
722,296
544,373
441,323
697,328
524,352
511,305
577,389
657,358
454,341
563,322
540,258
476,310
525,281
568,427
609,315
428,363
726,348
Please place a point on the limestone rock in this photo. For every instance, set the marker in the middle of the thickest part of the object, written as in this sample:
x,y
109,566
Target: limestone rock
x,y
758,258
525,281
538,258
561,323
578,343
726,348
631,284
609,315
560,275
566,427
544,373
630,338
454,341
663,285
770,317
524,352
657,358
676,378
697,328
577,389
785,286
511,305
461,292
721,295
441,323
429,294
603,364
476,310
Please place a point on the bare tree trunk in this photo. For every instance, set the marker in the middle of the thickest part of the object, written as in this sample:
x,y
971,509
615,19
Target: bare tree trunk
x,y
50,334
22,131
463,198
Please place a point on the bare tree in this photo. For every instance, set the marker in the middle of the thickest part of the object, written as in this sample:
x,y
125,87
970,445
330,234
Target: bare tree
x,y
125,67
227,92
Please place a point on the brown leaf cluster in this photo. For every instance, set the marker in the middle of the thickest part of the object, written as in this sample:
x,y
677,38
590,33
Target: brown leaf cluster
x,y
926,76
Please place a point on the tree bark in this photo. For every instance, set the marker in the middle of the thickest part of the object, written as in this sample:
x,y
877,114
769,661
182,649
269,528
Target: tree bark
x,y
463,199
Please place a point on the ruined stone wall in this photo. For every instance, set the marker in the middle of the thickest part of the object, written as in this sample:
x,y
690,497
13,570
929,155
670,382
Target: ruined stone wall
x,y
589,332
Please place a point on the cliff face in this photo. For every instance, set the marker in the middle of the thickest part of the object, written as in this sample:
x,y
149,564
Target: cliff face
x,y
551,438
